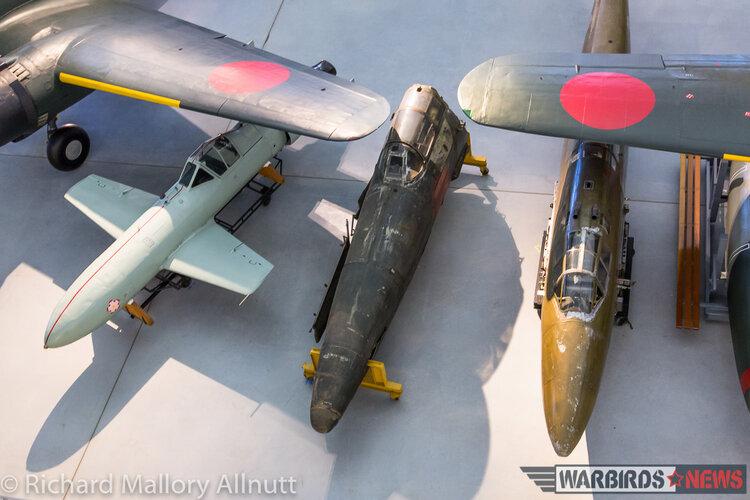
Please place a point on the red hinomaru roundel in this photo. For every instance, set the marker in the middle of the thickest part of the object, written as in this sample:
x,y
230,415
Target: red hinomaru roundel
x,y
245,77
607,100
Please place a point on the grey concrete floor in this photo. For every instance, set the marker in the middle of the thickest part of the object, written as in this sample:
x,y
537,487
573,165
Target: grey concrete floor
x,y
213,388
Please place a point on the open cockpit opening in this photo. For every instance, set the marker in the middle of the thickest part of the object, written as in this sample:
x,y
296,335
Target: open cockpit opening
x,y
211,160
582,278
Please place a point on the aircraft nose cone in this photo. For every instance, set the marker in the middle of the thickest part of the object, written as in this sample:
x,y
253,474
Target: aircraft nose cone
x,y
323,418
331,396
573,356
565,437
66,325
340,372
56,332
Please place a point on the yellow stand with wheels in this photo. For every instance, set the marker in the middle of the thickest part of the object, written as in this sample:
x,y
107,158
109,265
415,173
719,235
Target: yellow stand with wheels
x,y
477,161
375,378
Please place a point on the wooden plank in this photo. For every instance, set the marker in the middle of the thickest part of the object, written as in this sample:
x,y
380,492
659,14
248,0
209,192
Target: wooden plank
x,y
696,265
680,316
688,244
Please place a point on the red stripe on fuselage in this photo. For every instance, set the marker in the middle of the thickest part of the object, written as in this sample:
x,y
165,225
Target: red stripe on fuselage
x,y
745,381
440,189
104,264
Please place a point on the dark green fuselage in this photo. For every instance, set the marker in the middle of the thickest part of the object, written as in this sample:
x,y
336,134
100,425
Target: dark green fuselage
x,y
738,270
424,151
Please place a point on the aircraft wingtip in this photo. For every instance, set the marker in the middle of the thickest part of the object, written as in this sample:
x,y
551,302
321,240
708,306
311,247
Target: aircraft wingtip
x,y
364,122
471,90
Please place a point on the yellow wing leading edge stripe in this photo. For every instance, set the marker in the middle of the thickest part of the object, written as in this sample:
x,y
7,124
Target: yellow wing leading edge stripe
x,y
114,89
736,158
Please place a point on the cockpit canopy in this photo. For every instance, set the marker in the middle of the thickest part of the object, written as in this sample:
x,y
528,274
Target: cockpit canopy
x,y
209,161
581,281
415,127
418,128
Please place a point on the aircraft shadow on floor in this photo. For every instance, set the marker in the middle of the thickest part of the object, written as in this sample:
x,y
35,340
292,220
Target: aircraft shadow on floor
x,y
117,153
446,340
230,345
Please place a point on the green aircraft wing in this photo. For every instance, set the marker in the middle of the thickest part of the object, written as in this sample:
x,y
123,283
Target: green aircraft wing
x,y
691,104
148,55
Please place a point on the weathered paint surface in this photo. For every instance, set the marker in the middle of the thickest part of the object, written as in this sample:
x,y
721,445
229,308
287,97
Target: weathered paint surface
x,y
575,340
424,150
588,208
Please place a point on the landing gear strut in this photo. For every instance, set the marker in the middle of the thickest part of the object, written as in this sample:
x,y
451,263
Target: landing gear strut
x,y
67,146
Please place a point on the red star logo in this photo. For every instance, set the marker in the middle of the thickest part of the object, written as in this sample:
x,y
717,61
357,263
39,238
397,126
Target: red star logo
x,y
675,479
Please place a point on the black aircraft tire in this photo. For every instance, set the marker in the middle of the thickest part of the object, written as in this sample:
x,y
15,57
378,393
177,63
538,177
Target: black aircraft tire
x,y
68,147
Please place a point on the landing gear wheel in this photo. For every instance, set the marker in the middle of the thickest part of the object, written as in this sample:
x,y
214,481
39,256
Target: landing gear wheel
x,y
68,147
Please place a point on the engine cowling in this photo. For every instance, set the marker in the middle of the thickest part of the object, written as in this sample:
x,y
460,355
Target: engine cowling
x,y
18,113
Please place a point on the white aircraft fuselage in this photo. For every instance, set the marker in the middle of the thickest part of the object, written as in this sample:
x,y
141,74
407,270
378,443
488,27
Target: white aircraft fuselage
x,y
150,243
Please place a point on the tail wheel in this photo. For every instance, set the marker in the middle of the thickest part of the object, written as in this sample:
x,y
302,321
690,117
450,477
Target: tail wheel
x,y
67,147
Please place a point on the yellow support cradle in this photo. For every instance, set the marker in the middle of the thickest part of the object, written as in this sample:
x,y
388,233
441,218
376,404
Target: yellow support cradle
x,y
137,311
375,378
477,161
269,172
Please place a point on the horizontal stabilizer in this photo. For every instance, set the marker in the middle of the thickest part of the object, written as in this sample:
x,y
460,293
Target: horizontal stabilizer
x,y
215,256
684,103
113,206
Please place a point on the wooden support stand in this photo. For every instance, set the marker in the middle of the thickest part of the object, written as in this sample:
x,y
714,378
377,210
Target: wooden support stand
x,y
375,378
688,244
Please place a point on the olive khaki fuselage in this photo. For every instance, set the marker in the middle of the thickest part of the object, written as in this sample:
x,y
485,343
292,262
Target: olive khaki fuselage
x,y
581,287
585,238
